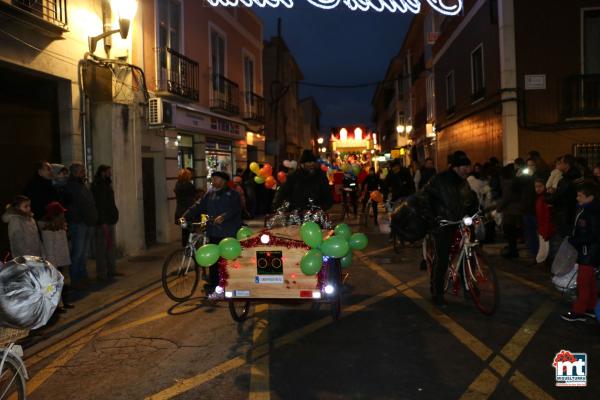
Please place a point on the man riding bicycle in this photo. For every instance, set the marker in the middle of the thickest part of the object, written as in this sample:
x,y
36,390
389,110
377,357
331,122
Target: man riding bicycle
x,y
449,197
224,205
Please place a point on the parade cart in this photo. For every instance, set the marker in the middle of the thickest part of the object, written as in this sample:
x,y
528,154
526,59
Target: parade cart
x,y
269,270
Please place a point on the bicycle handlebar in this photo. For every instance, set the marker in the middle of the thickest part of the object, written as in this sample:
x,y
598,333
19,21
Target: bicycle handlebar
x,y
467,220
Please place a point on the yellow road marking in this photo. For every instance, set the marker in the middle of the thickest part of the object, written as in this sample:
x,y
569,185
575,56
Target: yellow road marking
x,y
184,385
187,384
378,251
68,341
470,341
43,375
259,369
486,383
133,324
528,388
527,282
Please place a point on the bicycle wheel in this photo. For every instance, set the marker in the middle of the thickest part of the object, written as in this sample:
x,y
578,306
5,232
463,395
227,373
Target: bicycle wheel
x,y
239,310
482,284
180,275
12,379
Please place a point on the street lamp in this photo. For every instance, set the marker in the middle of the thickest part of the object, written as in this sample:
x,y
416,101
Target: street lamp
x,y
400,128
320,140
125,10
408,128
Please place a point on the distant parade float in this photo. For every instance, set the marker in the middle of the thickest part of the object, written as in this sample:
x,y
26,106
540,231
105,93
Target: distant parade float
x,y
452,7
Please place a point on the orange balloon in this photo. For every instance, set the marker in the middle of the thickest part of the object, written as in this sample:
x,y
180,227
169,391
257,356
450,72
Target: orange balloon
x,y
270,180
376,196
268,169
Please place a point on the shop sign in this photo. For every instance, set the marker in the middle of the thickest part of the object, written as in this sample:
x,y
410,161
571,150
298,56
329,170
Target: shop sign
x,y
446,7
208,124
535,82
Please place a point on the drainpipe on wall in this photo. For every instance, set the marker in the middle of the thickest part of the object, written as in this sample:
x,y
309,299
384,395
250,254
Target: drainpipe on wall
x,y
508,80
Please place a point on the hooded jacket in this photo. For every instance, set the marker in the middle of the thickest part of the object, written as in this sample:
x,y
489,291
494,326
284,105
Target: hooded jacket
x,y
22,234
301,186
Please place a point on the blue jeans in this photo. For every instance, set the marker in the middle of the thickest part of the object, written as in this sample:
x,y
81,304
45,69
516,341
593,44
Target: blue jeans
x,y
80,241
530,234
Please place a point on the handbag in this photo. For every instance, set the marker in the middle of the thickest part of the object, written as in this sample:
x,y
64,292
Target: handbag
x,y
543,250
565,259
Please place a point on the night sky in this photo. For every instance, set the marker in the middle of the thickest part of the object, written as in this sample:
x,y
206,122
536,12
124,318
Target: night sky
x,y
339,47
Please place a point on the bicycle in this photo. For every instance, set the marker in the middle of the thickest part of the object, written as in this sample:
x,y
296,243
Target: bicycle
x,y
367,212
466,267
13,373
180,273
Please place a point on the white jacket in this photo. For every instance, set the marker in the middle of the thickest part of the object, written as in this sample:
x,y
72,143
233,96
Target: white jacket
x,y
56,246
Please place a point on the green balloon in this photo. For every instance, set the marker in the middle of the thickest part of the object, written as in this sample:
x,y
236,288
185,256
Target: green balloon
x,y
358,241
346,261
230,248
311,262
244,233
311,234
208,255
343,230
335,246
259,179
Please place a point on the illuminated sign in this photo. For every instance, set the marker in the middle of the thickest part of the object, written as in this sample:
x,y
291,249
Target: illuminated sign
x,y
446,7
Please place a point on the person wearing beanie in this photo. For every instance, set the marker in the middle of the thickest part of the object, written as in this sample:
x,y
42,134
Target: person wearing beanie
x,y
306,183
223,204
449,197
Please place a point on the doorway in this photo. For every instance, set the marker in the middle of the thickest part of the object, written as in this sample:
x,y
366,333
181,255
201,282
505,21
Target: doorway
x,y
149,201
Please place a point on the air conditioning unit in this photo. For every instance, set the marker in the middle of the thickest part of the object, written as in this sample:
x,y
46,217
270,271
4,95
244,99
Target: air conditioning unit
x,y
160,112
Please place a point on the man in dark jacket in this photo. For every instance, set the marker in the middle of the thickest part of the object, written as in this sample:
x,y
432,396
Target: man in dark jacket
x,y
449,197
81,216
108,216
224,205
563,198
307,183
371,183
40,189
399,181
426,172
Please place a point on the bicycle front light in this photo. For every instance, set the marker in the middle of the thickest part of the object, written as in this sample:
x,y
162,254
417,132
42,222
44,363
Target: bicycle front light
x,y
468,221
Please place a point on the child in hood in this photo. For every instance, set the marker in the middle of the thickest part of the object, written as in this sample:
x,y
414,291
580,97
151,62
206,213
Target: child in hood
x,y
22,229
586,240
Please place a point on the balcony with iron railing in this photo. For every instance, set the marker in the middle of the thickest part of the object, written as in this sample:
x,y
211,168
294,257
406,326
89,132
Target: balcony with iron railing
x,y
49,16
254,108
581,97
178,75
224,95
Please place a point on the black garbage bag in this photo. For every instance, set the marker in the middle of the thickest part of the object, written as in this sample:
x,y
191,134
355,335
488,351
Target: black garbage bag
x,y
30,290
410,219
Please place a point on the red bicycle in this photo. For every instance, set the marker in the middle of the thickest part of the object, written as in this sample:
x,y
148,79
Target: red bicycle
x,y
466,268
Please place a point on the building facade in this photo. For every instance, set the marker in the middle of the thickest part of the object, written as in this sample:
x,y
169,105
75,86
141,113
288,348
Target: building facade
x,y
64,102
499,80
509,81
284,125
203,66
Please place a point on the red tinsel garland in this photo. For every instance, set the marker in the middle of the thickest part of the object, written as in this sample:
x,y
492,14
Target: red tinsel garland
x,y
223,274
